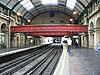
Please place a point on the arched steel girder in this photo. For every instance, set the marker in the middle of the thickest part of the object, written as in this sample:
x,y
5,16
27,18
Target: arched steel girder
x,y
68,9
16,4
6,5
25,8
86,1
58,10
81,3
74,7
40,12
79,7
38,6
25,13
8,2
49,11
39,1
61,5
21,6
67,13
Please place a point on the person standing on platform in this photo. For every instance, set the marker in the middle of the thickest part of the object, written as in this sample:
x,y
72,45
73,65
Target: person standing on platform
x,y
69,41
76,43
64,42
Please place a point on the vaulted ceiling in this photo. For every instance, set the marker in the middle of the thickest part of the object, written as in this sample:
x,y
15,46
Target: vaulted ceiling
x,y
32,8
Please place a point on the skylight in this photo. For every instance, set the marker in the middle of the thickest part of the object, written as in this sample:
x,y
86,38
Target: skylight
x,y
47,2
70,4
27,4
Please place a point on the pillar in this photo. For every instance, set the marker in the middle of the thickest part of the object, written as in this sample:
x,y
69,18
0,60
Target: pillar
x,y
91,39
96,37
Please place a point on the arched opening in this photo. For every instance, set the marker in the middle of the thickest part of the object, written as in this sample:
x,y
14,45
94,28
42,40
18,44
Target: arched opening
x,y
91,26
4,36
17,41
3,28
98,23
12,40
91,35
97,31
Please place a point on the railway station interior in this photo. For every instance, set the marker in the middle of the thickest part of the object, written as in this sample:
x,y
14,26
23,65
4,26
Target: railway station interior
x,y
33,34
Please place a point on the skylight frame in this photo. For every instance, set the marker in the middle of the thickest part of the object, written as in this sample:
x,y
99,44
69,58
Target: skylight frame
x,y
49,2
70,4
27,4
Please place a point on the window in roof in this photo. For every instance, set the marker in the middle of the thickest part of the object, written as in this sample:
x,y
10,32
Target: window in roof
x,y
70,4
27,4
47,2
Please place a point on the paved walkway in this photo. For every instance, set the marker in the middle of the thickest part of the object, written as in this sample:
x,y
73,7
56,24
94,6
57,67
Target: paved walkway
x,y
81,61
84,61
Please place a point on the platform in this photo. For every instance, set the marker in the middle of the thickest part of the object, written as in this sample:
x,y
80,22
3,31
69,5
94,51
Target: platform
x,y
81,61
8,51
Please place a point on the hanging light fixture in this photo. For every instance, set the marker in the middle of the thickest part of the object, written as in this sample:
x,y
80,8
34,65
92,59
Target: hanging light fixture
x,y
29,20
18,14
74,12
71,19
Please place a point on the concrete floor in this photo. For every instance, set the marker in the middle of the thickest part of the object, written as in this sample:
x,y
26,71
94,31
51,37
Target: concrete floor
x,y
84,61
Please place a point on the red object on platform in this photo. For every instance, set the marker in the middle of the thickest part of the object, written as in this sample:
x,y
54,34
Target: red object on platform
x,y
50,30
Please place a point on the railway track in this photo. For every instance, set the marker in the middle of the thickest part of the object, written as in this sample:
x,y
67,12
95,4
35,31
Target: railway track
x,y
39,62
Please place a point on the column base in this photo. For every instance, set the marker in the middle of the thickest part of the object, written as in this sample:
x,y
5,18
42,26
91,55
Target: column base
x,y
91,46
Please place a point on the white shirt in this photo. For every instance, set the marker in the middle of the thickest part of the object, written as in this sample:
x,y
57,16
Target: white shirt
x,y
69,41
77,40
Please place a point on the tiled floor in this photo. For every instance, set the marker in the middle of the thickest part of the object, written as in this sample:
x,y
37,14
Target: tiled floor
x,y
84,61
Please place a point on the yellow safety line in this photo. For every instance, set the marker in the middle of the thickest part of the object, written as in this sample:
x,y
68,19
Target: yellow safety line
x,y
62,67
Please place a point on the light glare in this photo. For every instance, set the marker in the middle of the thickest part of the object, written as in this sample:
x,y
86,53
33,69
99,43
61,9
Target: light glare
x,y
70,4
47,2
29,20
74,12
71,19
18,14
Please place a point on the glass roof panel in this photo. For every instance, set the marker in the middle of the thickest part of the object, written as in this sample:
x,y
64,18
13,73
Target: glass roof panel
x,y
24,1
4,1
27,4
47,2
77,3
12,3
70,4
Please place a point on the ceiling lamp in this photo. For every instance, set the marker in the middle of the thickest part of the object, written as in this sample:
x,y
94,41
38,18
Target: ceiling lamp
x,y
18,14
71,19
74,12
29,20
